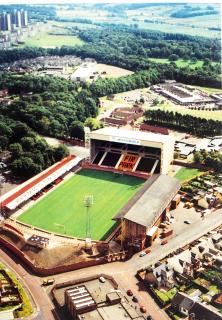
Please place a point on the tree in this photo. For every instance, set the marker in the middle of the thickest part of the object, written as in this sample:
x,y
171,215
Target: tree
x,y
60,152
16,150
93,123
173,57
77,130
24,167
27,143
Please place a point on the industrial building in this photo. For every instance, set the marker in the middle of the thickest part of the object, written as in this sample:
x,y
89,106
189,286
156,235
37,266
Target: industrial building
x,y
93,299
86,72
131,150
79,300
122,116
181,94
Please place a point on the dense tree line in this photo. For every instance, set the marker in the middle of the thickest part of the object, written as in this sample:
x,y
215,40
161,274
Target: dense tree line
x,y
52,105
211,159
49,106
175,120
194,11
130,48
154,75
30,153
152,44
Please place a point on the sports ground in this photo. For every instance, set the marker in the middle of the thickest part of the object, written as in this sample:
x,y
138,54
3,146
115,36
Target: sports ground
x,y
63,211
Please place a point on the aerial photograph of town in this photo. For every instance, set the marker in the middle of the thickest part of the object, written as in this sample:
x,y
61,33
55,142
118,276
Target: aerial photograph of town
x,y
110,160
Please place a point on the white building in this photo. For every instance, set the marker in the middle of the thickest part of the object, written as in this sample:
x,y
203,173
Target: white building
x,y
86,72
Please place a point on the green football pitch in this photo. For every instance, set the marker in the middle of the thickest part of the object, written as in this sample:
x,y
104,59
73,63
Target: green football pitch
x,y
63,211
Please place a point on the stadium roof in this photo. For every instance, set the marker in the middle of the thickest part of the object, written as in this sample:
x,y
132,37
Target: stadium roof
x,y
151,200
26,190
129,136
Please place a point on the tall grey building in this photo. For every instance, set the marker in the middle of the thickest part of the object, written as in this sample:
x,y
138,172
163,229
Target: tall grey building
x,y
3,24
24,18
8,22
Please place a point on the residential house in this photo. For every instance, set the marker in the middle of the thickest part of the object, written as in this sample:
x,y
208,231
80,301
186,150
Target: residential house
x,y
194,310
185,263
161,276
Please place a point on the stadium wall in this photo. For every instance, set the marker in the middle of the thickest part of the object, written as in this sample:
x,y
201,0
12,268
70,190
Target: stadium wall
x,y
129,173
50,271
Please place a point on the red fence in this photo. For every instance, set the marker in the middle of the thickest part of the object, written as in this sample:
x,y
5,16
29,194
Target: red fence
x,y
129,173
49,271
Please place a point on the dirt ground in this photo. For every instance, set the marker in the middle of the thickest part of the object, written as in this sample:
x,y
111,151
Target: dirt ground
x,y
111,71
56,256
7,186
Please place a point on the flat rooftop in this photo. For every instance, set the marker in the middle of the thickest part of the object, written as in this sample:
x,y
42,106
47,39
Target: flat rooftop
x,y
129,136
117,311
98,291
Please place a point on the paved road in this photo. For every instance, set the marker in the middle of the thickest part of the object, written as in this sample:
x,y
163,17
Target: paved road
x,y
43,306
189,234
123,272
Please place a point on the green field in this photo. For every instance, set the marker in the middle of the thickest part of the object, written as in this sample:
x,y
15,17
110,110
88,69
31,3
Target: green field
x,y
65,205
181,63
214,115
46,40
187,174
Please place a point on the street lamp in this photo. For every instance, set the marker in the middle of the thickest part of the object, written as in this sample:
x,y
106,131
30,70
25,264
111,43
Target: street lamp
x,y
88,202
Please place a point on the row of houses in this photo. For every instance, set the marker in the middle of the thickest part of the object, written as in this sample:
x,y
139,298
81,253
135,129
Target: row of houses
x,y
190,265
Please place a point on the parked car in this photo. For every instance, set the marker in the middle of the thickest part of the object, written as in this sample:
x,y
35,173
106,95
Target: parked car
x,y
129,292
142,253
164,242
187,221
142,309
102,279
48,281
135,299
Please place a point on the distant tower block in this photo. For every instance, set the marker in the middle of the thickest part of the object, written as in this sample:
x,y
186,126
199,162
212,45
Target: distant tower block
x,y
8,22
24,18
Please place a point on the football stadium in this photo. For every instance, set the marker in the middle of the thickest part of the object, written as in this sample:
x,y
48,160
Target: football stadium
x,y
116,188
65,205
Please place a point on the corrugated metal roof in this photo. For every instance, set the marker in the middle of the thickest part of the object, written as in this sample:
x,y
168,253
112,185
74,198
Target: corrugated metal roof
x,y
160,190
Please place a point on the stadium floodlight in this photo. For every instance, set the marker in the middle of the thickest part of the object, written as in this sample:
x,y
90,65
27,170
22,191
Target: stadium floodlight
x,y
61,226
88,202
